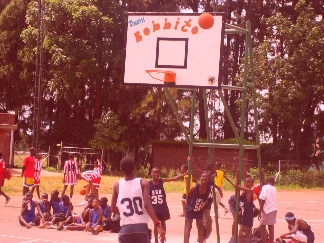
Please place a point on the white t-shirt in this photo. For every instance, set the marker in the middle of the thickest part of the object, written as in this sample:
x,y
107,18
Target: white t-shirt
x,y
268,194
130,203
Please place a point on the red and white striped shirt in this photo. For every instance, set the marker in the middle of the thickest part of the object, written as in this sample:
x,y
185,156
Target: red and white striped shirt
x,y
93,175
70,170
38,169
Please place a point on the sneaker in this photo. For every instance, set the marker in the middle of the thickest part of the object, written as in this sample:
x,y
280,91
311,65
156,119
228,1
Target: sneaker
x,y
50,226
7,200
84,203
32,223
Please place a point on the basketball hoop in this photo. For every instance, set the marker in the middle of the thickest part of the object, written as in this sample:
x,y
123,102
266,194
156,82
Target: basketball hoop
x,y
169,76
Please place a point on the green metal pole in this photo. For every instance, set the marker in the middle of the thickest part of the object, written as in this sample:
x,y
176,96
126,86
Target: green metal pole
x,y
176,112
246,63
192,121
211,159
230,118
256,119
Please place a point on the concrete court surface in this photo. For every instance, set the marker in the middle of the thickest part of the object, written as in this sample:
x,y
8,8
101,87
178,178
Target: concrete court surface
x,y
308,205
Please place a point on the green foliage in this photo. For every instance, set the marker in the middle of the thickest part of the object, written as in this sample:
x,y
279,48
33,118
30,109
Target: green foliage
x,y
292,178
50,169
109,134
289,66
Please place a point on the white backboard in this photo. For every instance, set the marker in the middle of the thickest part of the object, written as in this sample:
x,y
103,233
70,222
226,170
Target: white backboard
x,y
173,42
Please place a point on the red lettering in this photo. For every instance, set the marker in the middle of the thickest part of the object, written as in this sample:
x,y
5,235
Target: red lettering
x,y
138,36
146,31
167,25
194,30
155,26
183,28
176,25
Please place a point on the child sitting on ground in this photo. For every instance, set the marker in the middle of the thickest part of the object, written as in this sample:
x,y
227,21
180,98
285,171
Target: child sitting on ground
x,y
106,210
55,202
28,217
82,220
84,216
45,207
95,224
197,200
158,198
63,214
111,222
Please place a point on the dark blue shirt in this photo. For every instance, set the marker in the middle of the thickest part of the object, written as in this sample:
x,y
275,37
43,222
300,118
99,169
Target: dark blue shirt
x,y
196,199
158,197
247,211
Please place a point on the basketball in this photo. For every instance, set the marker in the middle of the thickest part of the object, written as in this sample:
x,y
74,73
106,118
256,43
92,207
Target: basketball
x,y
83,191
206,20
255,196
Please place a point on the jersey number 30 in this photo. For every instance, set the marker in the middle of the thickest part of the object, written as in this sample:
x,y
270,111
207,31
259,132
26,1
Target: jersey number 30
x,y
133,206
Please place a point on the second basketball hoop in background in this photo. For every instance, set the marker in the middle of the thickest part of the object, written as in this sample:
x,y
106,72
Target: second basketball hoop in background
x,y
168,79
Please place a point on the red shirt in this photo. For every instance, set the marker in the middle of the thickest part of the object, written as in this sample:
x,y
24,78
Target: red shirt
x,y
2,167
29,163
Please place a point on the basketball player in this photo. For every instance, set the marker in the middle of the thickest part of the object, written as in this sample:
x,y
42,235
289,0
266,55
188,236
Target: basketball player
x,y
131,200
71,171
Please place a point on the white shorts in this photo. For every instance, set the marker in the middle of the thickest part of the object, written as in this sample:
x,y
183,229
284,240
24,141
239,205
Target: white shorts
x,y
299,236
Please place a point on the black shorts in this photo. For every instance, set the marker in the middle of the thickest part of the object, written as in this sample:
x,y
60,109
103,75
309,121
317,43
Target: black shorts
x,y
163,216
195,215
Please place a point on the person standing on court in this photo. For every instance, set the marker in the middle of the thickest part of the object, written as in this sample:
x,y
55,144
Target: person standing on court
x,y
2,178
71,172
131,200
268,209
28,170
246,198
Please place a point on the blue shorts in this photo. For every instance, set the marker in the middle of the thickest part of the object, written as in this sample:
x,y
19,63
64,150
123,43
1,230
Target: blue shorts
x,y
232,204
28,219
134,233
195,215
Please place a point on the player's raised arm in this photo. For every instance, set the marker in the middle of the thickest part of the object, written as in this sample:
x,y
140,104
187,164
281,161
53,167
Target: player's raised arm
x,y
174,178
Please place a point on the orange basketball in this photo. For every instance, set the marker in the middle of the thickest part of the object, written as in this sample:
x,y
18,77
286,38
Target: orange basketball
x,y
255,196
83,191
206,20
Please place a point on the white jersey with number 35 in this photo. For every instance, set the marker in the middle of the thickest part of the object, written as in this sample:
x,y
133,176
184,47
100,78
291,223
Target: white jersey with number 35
x,y
130,203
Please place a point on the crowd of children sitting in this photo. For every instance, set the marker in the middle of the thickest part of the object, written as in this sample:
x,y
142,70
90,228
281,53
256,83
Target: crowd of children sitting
x,y
56,213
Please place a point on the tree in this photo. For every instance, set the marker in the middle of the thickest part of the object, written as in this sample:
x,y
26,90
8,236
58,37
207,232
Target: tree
x,y
292,74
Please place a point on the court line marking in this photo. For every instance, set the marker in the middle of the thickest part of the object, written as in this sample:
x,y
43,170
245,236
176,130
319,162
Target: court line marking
x,y
307,220
27,239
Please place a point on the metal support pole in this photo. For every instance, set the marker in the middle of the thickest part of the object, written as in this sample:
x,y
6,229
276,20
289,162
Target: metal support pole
x,y
256,119
192,124
211,159
175,110
246,63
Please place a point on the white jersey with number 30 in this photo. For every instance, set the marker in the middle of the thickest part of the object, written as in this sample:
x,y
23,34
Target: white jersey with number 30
x,y
130,203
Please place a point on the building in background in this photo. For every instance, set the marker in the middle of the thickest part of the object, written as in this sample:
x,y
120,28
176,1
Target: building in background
x,y
7,128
